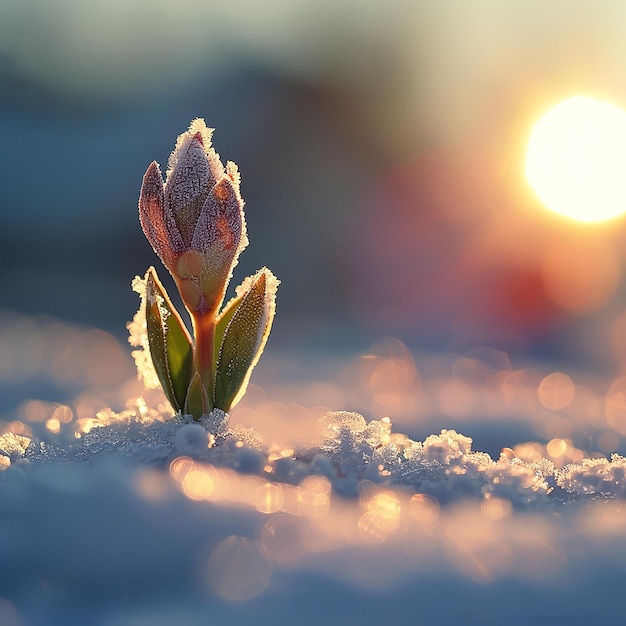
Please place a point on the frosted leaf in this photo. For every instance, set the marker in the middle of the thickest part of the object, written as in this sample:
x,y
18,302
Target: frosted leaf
x,y
271,287
138,337
241,334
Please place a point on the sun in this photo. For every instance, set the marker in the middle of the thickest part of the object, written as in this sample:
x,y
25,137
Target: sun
x,y
576,159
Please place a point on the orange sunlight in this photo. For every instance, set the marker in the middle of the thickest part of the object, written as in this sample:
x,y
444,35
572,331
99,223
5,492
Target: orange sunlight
x,y
576,159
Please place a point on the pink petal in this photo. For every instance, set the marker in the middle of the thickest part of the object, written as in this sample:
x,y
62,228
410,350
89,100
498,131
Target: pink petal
x,y
194,169
221,228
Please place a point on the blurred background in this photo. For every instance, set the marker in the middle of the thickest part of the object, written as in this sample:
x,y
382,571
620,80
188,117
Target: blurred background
x,y
381,146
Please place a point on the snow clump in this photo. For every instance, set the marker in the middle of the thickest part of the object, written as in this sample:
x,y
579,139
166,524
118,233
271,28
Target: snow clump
x,y
352,453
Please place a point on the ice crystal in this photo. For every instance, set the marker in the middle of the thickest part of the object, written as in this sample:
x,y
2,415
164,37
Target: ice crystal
x,y
443,466
595,476
138,338
215,422
13,446
346,442
446,447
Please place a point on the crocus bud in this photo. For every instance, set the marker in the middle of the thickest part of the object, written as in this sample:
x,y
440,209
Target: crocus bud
x,y
195,221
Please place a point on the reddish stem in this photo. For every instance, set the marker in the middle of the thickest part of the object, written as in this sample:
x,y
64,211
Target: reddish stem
x,y
204,331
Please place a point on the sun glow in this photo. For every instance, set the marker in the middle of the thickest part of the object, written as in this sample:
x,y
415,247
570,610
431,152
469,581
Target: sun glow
x,y
576,159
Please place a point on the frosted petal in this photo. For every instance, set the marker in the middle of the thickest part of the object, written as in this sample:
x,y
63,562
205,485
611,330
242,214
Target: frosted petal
x,y
157,224
193,169
221,227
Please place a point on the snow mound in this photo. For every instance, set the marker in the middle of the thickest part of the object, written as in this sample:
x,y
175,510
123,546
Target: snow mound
x,y
140,512
353,454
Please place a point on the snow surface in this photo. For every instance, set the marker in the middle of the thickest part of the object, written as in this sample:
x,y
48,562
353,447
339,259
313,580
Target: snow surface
x,y
143,521
132,517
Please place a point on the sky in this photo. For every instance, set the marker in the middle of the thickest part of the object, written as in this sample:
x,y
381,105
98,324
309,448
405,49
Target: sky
x,y
381,147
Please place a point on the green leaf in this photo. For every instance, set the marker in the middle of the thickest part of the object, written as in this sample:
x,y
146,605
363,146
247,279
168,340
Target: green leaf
x,y
197,401
170,343
223,319
244,336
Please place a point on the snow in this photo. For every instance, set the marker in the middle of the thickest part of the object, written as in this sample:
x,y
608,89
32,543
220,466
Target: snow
x,y
133,517
352,452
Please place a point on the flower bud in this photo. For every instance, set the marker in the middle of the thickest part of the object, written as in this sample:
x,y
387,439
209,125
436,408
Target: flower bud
x,y
195,221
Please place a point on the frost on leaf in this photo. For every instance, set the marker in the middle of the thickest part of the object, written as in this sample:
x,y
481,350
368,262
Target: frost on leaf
x,y
138,337
170,344
241,334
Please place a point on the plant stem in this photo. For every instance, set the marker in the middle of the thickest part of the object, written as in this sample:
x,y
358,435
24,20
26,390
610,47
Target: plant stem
x,y
204,331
